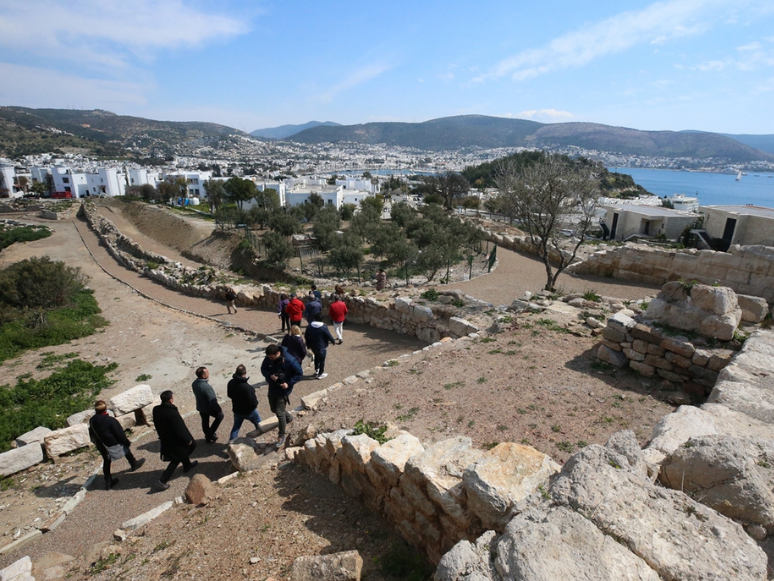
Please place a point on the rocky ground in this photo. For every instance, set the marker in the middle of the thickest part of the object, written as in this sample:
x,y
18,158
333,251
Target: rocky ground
x,y
533,383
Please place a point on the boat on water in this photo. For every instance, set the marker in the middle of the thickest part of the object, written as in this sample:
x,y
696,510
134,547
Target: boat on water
x,y
739,176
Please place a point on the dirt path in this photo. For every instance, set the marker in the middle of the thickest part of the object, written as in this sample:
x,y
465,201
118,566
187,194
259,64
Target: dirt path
x,y
517,272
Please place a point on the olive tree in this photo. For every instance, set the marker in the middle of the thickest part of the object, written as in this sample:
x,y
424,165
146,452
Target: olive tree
x,y
553,194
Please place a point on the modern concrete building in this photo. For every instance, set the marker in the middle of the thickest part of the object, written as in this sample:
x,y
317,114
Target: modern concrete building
x,y
745,225
631,220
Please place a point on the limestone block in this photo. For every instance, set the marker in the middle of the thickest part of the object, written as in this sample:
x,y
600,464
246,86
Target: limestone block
x,y
20,570
389,460
313,400
557,543
332,441
725,473
127,421
676,346
243,455
720,327
81,417
468,561
658,362
147,517
647,333
614,358
598,484
355,452
131,399
461,327
421,313
640,346
621,322
35,436
402,304
345,566
633,355
658,310
66,440
656,350
676,428
719,300
439,469
701,357
615,346
614,335
643,368
505,475
754,309
678,360
19,459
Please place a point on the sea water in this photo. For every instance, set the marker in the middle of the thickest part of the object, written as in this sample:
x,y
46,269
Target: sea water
x,y
712,189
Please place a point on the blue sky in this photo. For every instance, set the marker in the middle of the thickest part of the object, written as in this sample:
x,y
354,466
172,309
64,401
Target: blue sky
x,y
677,64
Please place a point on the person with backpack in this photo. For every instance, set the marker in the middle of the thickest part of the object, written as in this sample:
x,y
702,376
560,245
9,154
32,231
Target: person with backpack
x,y
283,304
207,404
230,298
318,337
282,371
338,312
111,441
313,308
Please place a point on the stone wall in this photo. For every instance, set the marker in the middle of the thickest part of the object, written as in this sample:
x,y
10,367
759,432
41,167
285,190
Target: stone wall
x,y
434,496
427,323
749,270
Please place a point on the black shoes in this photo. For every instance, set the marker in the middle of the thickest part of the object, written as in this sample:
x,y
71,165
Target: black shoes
x,y
212,439
137,464
110,483
191,466
159,485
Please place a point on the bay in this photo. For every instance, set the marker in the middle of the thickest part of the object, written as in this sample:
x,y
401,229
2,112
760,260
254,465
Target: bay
x,y
712,189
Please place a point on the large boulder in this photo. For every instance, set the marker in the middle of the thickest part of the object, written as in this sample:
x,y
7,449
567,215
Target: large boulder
x,y
505,475
732,475
66,440
676,536
35,436
132,399
200,490
346,566
389,460
468,561
14,461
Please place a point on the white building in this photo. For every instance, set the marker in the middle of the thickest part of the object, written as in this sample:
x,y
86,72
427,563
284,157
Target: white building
x,y
67,180
684,203
107,181
141,176
194,179
7,180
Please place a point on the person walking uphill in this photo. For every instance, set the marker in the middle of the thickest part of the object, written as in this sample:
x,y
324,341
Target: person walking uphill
x,y
111,441
244,403
338,312
207,404
230,298
282,314
281,371
177,443
318,337
295,344
295,310
313,308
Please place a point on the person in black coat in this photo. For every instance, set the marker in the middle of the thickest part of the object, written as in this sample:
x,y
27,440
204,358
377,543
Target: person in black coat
x,y
282,371
244,402
318,337
294,343
177,443
111,441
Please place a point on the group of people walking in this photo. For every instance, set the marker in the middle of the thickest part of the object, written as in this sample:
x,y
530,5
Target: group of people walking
x,y
282,368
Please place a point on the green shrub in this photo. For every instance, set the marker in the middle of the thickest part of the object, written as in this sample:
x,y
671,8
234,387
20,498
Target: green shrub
x,y
48,402
22,234
372,430
430,295
591,295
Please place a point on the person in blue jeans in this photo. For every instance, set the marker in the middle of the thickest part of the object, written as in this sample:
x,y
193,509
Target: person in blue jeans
x,y
318,337
282,371
244,402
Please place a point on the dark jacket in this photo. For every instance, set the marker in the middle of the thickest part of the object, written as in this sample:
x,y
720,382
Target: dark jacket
x,y
313,308
107,430
289,366
173,433
283,304
242,394
295,309
206,400
317,337
295,346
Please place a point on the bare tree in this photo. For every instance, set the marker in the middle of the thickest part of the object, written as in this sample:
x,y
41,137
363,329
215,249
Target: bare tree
x,y
450,186
551,195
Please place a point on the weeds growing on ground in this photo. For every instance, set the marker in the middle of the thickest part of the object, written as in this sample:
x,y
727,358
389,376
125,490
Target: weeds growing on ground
x,y
372,430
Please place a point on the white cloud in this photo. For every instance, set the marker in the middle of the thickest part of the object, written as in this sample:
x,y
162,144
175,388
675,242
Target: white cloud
x,y
656,24
358,77
35,87
548,114
108,32
446,76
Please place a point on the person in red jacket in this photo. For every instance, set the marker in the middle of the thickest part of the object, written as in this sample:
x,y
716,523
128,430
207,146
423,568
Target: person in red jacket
x,y
295,310
338,312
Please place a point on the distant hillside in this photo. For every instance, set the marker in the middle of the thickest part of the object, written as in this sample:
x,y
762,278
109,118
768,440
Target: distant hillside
x,y
27,131
762,142
450,133
285,131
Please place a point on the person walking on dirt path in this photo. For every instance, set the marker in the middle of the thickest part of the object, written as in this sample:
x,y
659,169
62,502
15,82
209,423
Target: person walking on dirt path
x,y
381,279
312,309
316,293
338,312
111,441
295,310
283,304
318,337
294,343
281,371
244,402
207,404
177,443
230,298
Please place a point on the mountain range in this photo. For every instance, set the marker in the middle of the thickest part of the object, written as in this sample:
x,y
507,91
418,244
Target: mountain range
x,y
102,133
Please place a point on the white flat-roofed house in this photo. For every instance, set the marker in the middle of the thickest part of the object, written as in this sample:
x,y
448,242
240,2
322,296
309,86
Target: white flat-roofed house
x,y
7,180
194,181
745,225
359,184
632,220
331,195
67,180
141,176
106,182
684,203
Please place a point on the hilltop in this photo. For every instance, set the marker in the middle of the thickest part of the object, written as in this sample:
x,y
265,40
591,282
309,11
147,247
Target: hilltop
x,y
285,131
